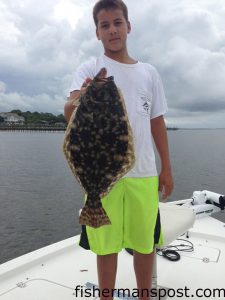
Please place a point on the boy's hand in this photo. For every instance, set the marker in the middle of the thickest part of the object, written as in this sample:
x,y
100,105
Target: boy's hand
x,y
165,184
89,80
74,100
75,96
85,84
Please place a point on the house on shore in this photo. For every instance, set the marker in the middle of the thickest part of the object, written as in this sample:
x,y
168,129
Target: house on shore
x,y
12,118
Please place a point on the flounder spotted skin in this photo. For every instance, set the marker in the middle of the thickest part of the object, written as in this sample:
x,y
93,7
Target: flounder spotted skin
x,y
98,145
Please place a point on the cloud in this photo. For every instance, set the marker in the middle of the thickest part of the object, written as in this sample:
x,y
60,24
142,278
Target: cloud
x,y
41,46
40,103
2,87
185,41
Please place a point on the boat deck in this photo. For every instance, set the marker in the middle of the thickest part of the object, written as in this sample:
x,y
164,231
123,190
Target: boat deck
x,y
66,271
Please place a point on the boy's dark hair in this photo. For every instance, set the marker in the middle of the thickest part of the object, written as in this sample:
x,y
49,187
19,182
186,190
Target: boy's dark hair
x,y
109,4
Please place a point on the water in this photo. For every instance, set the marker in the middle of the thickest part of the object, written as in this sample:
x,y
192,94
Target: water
x,y
40,199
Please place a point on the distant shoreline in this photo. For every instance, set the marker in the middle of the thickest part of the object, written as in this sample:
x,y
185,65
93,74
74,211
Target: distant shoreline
x,y
40,128
53,128
31,128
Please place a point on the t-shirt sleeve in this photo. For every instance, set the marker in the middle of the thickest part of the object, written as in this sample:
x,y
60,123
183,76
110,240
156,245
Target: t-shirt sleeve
x,y
159,103
85,70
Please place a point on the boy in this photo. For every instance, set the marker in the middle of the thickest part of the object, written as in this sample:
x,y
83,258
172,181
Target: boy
x,y
132,204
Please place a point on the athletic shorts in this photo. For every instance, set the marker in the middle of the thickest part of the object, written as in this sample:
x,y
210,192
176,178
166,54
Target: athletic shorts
x,y
132,206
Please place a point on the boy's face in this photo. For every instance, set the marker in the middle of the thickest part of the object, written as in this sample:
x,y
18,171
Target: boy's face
x,y
112,30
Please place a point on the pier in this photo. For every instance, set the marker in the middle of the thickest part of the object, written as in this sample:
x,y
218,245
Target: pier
x,y
41,128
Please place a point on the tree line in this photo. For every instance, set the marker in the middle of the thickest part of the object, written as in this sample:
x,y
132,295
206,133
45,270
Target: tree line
x,y
40,118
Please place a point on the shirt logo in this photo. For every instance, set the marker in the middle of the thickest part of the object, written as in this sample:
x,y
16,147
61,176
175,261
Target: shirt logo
x,y
144,104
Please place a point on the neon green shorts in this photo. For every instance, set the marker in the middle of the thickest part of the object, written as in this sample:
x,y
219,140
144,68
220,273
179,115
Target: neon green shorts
x,y
132,206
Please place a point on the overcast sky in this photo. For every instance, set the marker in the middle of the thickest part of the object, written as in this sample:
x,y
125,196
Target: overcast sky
x,y
42,43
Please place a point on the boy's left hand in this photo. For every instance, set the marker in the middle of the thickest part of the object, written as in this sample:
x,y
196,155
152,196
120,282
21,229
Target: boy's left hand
x,y
165,183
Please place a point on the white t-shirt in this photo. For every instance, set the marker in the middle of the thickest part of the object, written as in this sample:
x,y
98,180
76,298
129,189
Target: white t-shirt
x,y
144,97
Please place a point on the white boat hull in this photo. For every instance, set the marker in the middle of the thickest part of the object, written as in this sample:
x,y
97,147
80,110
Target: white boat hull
x,y
56,271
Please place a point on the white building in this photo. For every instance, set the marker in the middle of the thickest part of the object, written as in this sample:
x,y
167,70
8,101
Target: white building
x,y
12,118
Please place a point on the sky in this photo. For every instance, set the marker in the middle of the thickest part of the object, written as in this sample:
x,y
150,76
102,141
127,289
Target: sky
x,y
43,42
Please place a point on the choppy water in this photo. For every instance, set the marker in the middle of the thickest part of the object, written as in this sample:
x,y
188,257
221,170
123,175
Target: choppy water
x,y
40,199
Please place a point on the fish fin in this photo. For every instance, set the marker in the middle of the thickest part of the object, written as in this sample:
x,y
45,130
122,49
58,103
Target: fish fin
x,y
94,217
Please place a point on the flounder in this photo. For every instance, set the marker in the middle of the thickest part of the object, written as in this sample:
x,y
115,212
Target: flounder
x,y
98,145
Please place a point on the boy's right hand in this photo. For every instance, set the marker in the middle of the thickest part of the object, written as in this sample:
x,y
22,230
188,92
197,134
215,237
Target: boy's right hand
x,y
74,99
85,84
89,80
75,96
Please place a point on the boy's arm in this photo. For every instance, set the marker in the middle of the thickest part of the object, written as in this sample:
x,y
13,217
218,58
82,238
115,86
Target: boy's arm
x,y
159,134
71,104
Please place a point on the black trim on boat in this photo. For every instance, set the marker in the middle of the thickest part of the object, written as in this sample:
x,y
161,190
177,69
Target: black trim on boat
x,y
221,205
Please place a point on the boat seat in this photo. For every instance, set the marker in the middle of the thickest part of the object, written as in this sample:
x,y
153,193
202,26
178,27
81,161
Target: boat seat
x,y
175,220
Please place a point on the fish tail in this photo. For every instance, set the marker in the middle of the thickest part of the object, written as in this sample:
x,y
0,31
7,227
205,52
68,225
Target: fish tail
x,y
94,217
